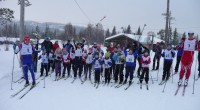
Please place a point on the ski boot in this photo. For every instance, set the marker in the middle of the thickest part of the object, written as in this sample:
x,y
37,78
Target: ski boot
x,y
130,82
125,81
180,82
186,82
26,84
33,83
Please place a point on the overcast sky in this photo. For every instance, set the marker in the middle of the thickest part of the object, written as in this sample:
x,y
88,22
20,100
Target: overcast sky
x,y
118,13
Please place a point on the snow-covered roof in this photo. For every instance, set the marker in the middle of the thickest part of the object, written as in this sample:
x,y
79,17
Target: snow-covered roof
x,y
143,39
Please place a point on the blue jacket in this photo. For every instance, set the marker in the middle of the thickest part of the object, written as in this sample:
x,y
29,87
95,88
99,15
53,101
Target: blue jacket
x,y
180,50
68,46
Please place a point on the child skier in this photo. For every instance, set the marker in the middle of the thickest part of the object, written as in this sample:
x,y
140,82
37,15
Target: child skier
x,y
66,62
145,61
44,63
130,65
58,60
107,65
97,67
72,58
168,56
78,59
84,57
120,60
89,63
51,63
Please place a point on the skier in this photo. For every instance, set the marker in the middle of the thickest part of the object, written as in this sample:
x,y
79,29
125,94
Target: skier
x,y
140,54
188,46
47,45
168,56
97,67
26,50
94,48
66,62
157,49
89,63
112,56
58,60
130,65
68,46
145,61
72,58
111,48
55,46
78,59
51,63
84,57
179,55
120,60
107,65
198,47
44,63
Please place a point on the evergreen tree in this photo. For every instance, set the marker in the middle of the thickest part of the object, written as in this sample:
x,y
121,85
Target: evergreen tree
x,y
37,29
128,30
47,31
184,35
108,33
175,37
114,31
139,31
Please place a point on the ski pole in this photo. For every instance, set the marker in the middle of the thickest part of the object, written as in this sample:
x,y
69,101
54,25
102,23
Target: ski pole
x,y
44,75
164,86
194,75
12,70
151,78
157,74
172,71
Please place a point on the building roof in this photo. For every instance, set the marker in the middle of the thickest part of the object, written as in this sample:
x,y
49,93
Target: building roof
x,y
142,39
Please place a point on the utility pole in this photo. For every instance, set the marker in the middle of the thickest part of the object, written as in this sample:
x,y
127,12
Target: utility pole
x,y
167,23
21,30
22,4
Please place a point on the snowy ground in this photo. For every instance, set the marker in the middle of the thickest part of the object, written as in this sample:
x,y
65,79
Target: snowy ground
x,y
62,95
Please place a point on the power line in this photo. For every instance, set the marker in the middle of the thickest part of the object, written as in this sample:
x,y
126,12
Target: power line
x,y
82,11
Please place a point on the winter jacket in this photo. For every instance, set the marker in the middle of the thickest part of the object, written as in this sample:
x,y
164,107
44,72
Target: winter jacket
x,y
26,51
47,45
180,50
145,60
97,63
44,58
55,46
68,47
168,55
107,63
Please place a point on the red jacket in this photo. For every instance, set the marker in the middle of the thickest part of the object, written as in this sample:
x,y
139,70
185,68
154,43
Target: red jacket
x,y
111,49
55,46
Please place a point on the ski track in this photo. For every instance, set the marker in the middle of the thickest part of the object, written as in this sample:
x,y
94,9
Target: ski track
x,y
62,95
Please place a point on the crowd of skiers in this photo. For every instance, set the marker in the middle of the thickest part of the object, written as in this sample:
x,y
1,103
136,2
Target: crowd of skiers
x,y
78,61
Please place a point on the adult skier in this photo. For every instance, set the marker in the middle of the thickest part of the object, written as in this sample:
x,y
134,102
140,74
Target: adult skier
x,y
26,50
188,46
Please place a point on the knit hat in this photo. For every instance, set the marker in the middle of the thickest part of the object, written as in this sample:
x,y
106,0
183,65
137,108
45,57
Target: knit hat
x,y
26,38
107,54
